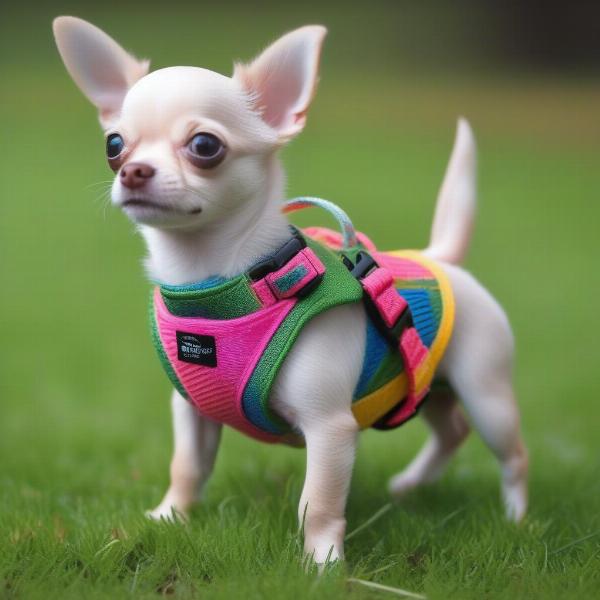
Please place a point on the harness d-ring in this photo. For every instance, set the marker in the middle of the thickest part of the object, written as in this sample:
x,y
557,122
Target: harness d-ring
x,y
348,232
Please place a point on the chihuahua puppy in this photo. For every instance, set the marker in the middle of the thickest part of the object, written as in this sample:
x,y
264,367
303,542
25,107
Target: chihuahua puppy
x,y
195,155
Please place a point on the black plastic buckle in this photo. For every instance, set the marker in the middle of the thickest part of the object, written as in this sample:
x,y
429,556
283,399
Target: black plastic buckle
x,y
280,258
309,287
365,263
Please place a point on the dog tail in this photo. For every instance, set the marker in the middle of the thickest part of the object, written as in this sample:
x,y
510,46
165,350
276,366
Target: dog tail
x,y
457,199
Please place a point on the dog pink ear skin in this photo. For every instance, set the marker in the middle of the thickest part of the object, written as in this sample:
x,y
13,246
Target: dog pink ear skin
x,y
282,80
100,67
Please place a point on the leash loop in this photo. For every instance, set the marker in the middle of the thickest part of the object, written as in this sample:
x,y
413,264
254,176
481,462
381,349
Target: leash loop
x,y
348,231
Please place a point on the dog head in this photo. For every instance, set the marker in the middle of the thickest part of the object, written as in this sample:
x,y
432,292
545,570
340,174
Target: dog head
x,y
188,145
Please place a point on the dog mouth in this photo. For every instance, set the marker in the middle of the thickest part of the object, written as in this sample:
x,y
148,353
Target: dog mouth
x,y
146,204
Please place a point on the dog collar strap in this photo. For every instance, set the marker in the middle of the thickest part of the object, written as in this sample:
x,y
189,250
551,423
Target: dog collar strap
x,y
293,270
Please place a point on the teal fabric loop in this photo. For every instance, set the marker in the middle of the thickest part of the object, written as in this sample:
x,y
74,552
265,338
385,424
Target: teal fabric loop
x,y
348,232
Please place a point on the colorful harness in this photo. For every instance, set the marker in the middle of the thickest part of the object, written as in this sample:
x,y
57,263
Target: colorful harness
x,y
222,341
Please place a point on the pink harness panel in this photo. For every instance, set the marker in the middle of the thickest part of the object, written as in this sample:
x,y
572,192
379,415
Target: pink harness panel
x,y
239,344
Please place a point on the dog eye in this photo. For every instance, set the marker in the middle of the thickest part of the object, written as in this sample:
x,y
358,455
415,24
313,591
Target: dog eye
x,y
205,150
114,145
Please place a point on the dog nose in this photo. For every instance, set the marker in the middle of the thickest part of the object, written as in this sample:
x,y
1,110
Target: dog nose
x,y
134,175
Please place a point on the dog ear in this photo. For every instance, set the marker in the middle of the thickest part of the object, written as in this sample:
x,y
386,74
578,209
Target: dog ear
x,y
102,70
282,80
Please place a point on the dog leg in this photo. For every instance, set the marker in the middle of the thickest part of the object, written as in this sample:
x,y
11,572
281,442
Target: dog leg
x,y
313,392
196,443
478,365
449,429
330,451
495,415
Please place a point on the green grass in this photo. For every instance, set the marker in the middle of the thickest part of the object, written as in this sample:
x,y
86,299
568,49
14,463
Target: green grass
x,y
84,430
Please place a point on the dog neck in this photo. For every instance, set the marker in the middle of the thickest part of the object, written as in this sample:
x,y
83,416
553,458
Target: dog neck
x,y
223,249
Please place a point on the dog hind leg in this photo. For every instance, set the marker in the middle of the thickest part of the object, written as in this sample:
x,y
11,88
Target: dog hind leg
x,y
478,365
449,429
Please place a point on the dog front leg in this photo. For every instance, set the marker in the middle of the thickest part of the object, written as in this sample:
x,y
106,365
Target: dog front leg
x,y
196,444
330,451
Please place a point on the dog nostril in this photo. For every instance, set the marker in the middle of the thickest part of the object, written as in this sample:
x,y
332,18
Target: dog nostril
x,y
134,175
144,171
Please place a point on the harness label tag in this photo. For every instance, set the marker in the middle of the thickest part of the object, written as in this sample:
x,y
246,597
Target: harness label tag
x,y
196,349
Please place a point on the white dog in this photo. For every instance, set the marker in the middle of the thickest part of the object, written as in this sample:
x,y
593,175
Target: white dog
x,y
195,157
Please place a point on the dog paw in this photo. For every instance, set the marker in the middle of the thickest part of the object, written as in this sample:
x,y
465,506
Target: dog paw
x,y
322,557
515,502
402,484
167,512
324,543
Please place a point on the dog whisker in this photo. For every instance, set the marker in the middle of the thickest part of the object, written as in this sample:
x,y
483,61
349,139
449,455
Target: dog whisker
x,y
108,182
103,196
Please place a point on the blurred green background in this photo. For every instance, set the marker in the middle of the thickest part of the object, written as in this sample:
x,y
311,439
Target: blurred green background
x,y
84,424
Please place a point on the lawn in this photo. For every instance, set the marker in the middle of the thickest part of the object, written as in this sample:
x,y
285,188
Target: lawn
x,y
84,430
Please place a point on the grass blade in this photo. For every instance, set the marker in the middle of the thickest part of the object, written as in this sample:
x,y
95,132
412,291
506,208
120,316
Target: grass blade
x,y
384,509
574,543
387,588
